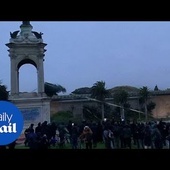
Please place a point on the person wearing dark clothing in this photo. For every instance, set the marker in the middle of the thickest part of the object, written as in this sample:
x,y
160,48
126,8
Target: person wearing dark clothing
x,y
141,135
32,140
107,137
44,128
121,136
116,133
162,128
62,137
74,134
127,136
134,130
136,135
27,132
38,129
157,138
99,132
94,130
147,137
44,144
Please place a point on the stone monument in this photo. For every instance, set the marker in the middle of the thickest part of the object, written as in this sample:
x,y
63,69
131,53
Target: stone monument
x,y
26,47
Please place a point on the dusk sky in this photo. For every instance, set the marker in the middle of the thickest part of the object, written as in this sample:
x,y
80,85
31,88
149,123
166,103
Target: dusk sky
x,y
133,53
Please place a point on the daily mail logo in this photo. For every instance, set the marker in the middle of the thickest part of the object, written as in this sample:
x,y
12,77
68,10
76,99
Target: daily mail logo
x,y
11,128
11,122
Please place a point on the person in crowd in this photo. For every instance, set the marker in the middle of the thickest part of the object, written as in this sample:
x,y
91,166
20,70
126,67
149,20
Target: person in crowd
x,y
107,137
87,137
27,132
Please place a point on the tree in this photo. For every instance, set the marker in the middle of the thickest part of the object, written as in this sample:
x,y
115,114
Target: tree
x,y
144,96
120,97
53,89
100,92
3,92
62,116
91,113
82,90
156,88
151,105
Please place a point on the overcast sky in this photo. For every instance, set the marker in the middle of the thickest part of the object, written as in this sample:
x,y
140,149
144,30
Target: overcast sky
x,y
81,53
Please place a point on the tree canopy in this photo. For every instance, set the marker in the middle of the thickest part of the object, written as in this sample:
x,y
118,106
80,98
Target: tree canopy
x,y
99,91
82,90
53,89
3,92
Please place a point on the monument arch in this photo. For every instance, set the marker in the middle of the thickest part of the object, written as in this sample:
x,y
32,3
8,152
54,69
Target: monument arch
x,y
26,47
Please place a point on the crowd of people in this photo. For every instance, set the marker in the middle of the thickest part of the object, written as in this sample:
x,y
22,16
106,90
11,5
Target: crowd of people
x,y
88,135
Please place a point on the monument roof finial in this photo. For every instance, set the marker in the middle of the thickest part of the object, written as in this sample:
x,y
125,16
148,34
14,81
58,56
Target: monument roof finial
x,y
26,28
26,23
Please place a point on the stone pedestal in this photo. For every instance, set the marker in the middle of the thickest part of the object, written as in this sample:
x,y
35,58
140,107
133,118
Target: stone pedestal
x,y
34,109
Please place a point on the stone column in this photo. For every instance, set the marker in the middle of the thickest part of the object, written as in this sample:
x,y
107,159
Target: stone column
x,y
40,74
14,79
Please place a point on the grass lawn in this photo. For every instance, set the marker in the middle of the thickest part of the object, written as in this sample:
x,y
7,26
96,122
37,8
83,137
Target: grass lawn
x,y
67,146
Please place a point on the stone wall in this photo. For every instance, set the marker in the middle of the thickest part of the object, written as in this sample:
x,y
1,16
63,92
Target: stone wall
x,y
162,109
75,106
